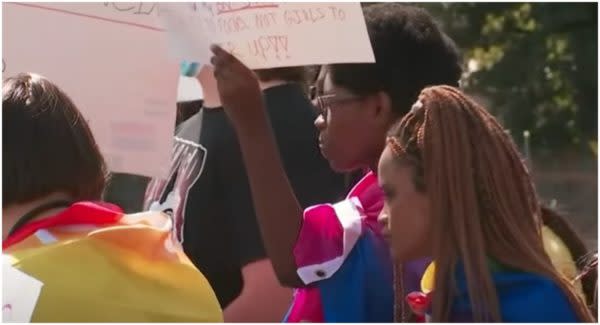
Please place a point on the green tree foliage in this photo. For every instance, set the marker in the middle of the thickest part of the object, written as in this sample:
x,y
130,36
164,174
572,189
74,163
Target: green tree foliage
x,y
536,62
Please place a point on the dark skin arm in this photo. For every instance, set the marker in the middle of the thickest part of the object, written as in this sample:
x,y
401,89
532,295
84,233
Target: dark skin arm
x,y
278,211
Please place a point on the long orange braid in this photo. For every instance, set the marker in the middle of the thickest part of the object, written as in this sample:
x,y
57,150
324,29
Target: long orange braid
x,y
483,205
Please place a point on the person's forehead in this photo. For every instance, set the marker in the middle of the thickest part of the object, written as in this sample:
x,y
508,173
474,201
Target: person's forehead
x,y
330,88
391,171
385,161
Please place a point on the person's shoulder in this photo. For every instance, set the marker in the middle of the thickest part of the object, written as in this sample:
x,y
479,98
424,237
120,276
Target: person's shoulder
x,y
65,271
532,298
366,275
523,297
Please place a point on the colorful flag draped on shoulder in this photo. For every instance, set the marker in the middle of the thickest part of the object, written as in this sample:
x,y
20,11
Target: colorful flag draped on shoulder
x,y
523,297
344,261
99,265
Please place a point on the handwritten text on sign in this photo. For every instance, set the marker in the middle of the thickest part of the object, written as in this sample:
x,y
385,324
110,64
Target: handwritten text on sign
x,y
268,34
110,58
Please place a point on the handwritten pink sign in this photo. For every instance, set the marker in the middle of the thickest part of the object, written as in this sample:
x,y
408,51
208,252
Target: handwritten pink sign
x,y
111,59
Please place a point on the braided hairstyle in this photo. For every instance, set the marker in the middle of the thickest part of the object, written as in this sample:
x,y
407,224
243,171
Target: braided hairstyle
x,y
483,202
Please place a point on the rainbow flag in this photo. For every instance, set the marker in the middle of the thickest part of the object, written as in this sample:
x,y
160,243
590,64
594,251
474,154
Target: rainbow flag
x,y
99,265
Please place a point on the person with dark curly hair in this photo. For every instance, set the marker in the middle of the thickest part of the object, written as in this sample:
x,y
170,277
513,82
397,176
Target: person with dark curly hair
x,y
335,254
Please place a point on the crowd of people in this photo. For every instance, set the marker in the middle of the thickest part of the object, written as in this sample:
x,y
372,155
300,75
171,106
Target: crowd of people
x,y
377,192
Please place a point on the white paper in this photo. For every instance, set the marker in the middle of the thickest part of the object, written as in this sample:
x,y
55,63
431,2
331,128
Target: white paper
x,y
268,34
111,59
189,89
20,293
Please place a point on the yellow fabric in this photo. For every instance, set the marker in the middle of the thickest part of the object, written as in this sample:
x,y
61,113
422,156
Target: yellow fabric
x,y
428,279
555,248
129,272
561,257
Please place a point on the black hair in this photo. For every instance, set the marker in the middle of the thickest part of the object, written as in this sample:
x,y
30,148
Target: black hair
x,y
411,53
291,74
47,145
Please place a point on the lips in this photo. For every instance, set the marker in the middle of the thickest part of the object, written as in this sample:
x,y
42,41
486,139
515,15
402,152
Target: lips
x,y
385,233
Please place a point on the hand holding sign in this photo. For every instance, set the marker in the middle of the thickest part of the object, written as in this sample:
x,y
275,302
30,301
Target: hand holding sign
x,y
238,88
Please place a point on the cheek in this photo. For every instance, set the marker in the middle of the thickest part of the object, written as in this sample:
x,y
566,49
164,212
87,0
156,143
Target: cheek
x,y
346,141
410,228
338,123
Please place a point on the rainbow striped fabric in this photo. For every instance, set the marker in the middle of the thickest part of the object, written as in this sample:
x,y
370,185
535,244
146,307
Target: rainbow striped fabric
x,y
99,265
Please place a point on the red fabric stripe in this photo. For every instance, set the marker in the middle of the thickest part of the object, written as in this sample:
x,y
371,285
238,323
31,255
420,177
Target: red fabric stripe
x,y
92,213
321,236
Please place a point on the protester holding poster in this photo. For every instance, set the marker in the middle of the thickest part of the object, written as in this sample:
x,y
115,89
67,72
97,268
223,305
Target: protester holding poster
x,y
329,300
93,263
336,255
208,193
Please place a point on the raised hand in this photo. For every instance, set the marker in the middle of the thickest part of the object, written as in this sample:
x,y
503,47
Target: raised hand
x,y
278,212
240,93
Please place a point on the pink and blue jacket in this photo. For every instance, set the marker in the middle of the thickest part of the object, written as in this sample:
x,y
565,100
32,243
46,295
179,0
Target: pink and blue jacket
x,y
345,263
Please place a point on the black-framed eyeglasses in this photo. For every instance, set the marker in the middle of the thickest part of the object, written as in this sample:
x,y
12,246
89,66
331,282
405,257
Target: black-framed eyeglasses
x,y
325,102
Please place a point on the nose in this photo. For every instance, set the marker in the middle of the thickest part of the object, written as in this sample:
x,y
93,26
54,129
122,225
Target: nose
x,y
383,219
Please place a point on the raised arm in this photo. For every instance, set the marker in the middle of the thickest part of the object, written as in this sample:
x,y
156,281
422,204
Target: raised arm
x,y
278,211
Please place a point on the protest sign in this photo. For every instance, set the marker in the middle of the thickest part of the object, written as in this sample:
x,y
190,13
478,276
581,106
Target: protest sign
x,y
111,59
20,293
268,34
189,89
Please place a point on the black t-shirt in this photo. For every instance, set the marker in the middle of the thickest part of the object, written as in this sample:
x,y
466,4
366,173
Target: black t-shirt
x,y
220,233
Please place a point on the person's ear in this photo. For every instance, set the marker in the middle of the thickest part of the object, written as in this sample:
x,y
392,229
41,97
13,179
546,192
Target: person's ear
x,y
383,108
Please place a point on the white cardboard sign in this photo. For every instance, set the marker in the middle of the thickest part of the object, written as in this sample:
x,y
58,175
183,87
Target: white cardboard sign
x,y
269,34
111,59
20,293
